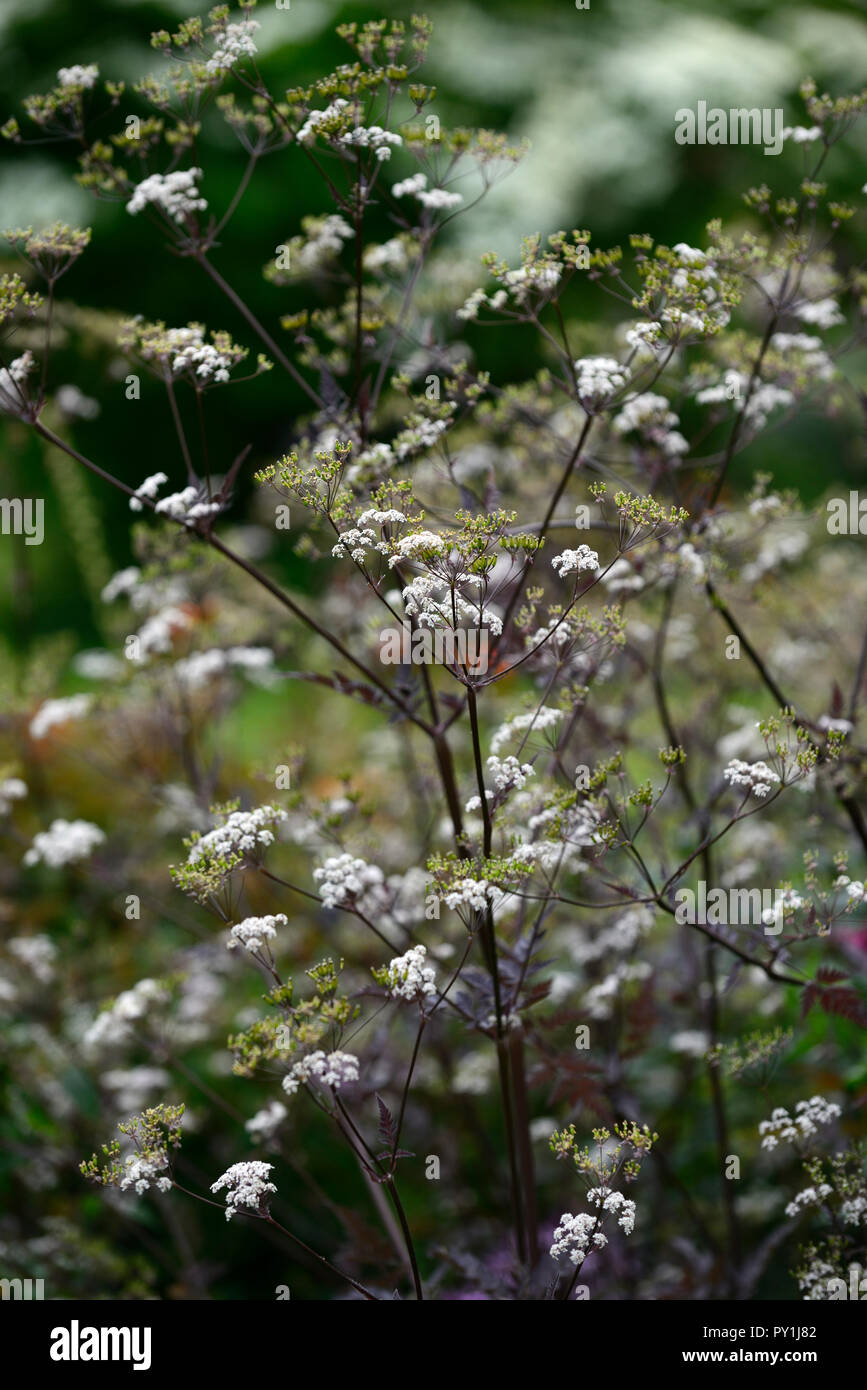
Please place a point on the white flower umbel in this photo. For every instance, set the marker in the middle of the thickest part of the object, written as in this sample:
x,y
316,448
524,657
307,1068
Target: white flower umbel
x,y
12,790
507,774
13,400
149,488
372,137
575,561
112,1027
538,721
438,198
37,953
343,878
598,379
822,313
473,893
197,670
78,75
408,976
175,194
573,1235
809,1115
64,842
810,1197
236,42
187,505
54,712
246,1186
616,1202
243,832
333,1069
265,1123
414,185
143,1169
758,777
253,932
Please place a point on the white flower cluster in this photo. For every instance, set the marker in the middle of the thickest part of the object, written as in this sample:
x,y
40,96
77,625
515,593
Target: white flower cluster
x,y
854,1210
187,505
599,1000
243,832
389,255
645,339
191,350
423,434
856,891
614,1201
372,137
420,541
573,1234
810,1197
811,351
434,604
197,670
78,75
54,712
409,977
64,842
149,488
175,193
323,239
72,402
357,540
541,276
12,399
801,135
821,313
651,417
764,398
575,561
538,720
757,776
265,1123
343,877
809,1115
507,774
623,936
814,1279
37,953
471,306
246,1185
691,1042
235,42
597,380
132,1087
307,132
416,187
143,1169
334,1069
112,1026
474,893
156,634
786,900
254,931
12,789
